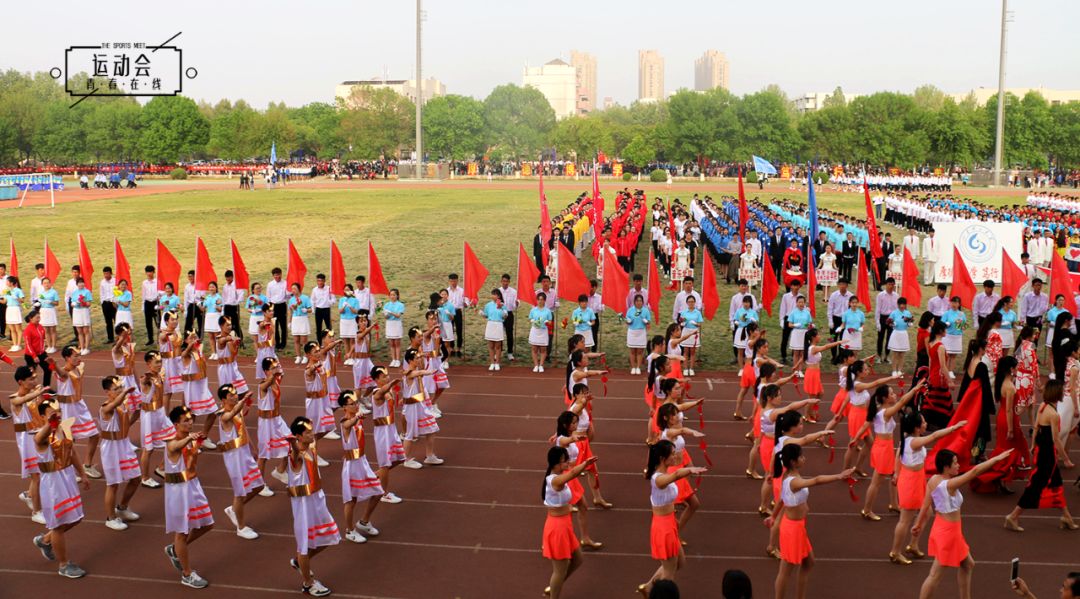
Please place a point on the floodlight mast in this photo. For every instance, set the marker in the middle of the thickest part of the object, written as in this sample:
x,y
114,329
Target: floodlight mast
x,y
999,140
419,100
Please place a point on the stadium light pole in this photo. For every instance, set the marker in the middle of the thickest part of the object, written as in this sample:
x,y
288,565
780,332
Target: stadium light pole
x,y
419,100
999,141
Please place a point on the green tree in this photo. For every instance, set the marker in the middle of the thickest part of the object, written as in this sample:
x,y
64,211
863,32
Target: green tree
x,y
767,128
454,127
24,99
113,128
639,152
376,122
582,137
928,97
173,129
889,130
836,98
827,134
61,137
8,148
234,133
324,122
518,121
1028,125
1064,138
701,125
955,135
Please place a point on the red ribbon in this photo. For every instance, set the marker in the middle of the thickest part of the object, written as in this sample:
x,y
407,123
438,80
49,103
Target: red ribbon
x,y
604,377
376,333
702,444
851,489
832,449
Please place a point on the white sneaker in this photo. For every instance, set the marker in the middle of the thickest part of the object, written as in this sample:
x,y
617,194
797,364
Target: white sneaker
x,y
434,460
367,529
91,472
14,348
394,364
266,492
322,462
446,365
25,498
231,515
280,475
150,483
390,498
50,350
355,537
37,518
412,464
115,523
127,515
332,435
84,352
350,362
208,444
159,472
194,581
952,375
491,367
541,369
304,361
316,589
498,367
247,533
297,360
536,369
213,356
510,357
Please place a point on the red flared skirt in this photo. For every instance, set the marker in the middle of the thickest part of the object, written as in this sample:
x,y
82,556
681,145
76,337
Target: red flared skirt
x,y
577,492
856,418
585,452
812,382
559,542
664,537
911,487
766,452
883,457
838,400
947,542
683,484
794,542
756,419
747,380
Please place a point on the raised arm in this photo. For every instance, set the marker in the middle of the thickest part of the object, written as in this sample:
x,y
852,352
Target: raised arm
x,y
799,483
904,399
957,482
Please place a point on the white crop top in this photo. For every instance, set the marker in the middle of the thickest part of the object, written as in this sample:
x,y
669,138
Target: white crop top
x,y
779,445
882,426
768,426
813,359
660,497
858,398
571,449
789,498
910,458
943,502
553,498
678,441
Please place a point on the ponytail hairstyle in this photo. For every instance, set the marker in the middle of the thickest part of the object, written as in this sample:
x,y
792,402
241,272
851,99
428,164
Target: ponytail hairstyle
x,y
937,330
563,422
988,322
580,388
764,373
853,373
556,455
1005,368
975,347
758,344
571,364
656,368
1000,305
810,337
909,423
786,422
944,459
572,341
749,329
671,328
790,454
842,355
433,301
926,320
657,341
770,391
658,452
665,413
877,401
668,385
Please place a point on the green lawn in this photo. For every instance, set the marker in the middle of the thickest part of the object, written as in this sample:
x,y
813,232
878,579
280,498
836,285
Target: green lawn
x,y
417,232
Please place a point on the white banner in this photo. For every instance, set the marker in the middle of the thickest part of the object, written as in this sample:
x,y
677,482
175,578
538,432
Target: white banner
x,y
980,244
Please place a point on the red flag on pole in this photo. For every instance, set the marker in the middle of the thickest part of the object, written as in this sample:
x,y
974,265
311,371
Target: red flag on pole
x,y
912,290
1013,277
121,268
710,296
527,274
475,274
240,273
52,265
811,281
545,220
1061,282
571,280
86,268
297,270
598,208
204,269
962,285
744,210
376,282
616,284
871,223
337,270
769,286
168,268
13,261
862,289
653,286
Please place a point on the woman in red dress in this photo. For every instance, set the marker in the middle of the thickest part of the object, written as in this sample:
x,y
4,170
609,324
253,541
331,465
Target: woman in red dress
x,y
793,264
1009,434
975,406
559,544
1027,377
937,409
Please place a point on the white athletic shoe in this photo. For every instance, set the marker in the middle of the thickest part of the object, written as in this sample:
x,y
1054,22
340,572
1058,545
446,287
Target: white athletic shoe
x,y
394,364
536,369
322,462
952,375
316,589
355,537
305,360
91,472
692,373
127,515
332,435
25,498
194,581
446,365
213,356
541,369
350,362
434,460
115,523
84,352
491,367
280,475
247,533
390,498
15,348
498,367
412,464
50,350
510,357
297,360
266,492
150,483
36,517
367,529
208,444
231,514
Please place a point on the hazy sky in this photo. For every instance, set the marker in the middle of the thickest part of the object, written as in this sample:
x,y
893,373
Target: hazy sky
x,y
297,51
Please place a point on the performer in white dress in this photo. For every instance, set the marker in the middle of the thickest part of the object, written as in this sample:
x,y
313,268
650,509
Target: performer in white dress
x,y
72,405
62,506
420,424
273,433
118,460
389,451
358,482
154,425
187,512
313,526
197,396
228,346
244,475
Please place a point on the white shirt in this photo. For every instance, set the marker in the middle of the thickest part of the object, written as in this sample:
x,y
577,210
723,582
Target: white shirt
x,y
230,295
755,248
366,301
596,303
71,288
510,298
680,303
35,289
736,303
930,249
457,296
551,300
321,297
937,305
911,244
644,293
838,303
105,290
787,303
275,292
150,291
191,296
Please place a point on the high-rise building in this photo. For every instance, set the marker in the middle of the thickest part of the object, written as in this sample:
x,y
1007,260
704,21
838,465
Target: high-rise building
x,y
585,65
558,82
650,75
431,88
609,102
711,71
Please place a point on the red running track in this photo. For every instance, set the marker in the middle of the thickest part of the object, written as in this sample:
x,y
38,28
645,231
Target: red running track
x,y
471,528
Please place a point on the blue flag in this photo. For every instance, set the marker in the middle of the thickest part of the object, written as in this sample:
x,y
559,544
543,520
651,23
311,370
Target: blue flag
x,y
763,167
273,153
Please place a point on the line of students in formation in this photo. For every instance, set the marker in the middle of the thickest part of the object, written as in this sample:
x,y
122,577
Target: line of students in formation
x,y
942,445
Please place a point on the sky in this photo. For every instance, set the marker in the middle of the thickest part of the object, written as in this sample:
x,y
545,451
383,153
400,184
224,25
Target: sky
x,y
297,52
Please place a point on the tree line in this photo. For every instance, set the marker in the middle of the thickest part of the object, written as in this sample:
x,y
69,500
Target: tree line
x,y
37,121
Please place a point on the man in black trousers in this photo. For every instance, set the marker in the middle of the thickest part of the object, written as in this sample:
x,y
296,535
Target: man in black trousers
x,y
277,294
108,301
849,256
193,320
230,304
150,295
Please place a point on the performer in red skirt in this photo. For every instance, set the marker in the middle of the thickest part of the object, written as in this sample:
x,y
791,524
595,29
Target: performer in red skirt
x,y
559,544
856,404
664,472
812,375
795,549
770,411
788,428
768,376
567,437
1009,433
1045,490
582,406
947,544
749,368
881,417
910,481
669,420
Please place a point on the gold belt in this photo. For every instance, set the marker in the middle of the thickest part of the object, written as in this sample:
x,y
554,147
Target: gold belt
x,y
22,427
125,371
363,355
418,398
384,421
65,398
353,454
236,443
315,394
263,344
270,413
150,407
228,360
112,436
46,467
167,354
304,490
176,478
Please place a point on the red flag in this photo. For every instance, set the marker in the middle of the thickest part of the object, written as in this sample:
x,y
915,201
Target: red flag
x,y
1013,277
811,281
337,270
912,290
168,268
601,157
598,208
297,270
1061,283
13,261
475,274
545,221
862,289
769,286
962,285
86,268
571,280
744,210
527,275
204,269
871,223
52,265
121,268
616,284
240,273
375,281
653,286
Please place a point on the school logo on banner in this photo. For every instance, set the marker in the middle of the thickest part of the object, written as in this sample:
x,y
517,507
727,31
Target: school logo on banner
x,y
978,244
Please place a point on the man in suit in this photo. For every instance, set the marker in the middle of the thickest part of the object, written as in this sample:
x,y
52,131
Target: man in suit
x,y
777,245
849,256
819,246
538,251
887,249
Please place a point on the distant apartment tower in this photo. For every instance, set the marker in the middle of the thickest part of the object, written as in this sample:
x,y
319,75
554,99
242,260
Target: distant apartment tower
x,y
585,65
431,88
558,82
609,102
650,75
711,71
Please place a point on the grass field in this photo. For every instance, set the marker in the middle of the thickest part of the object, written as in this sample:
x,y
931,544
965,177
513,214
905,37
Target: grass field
x,y
417,231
